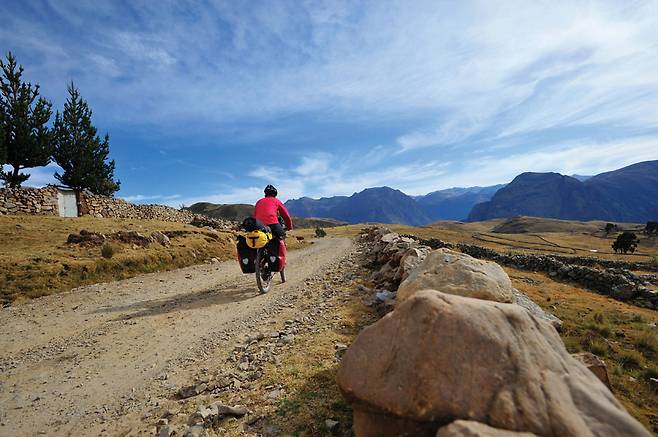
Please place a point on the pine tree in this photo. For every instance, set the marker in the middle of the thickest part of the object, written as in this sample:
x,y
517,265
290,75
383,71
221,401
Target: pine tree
x,y
3,150
24,115
80,151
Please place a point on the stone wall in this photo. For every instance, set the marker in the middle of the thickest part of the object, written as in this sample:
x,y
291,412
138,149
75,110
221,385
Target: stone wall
x,y
112,207
43,201
520,379
608,277
33,201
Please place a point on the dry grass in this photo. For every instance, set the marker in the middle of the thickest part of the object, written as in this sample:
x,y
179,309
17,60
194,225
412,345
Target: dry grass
x,y
575,243
308,373
624,335
35,259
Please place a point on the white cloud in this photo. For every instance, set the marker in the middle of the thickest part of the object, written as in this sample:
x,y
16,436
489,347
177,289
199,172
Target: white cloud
x,y
39,176
315,164
141,198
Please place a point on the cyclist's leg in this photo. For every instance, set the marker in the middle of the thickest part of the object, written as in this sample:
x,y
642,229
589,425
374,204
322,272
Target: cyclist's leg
x,y
277,230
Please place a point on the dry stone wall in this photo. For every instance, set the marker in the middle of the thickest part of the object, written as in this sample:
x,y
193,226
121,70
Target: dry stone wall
x,y
442,362
33,201
607,277
44,201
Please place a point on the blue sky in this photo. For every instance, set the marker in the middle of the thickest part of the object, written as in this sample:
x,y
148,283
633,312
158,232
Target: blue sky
x,y
212,100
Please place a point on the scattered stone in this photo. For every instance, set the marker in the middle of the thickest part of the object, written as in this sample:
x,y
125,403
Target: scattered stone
x,y
225,410
195,431
331,425
192,390
166,431
161,238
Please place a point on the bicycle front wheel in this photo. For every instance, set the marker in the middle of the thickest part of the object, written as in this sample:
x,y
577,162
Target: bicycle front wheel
x,y
263,274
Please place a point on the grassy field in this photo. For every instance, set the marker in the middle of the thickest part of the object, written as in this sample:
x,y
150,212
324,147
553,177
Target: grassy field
x,y
36,260
623,335
530,235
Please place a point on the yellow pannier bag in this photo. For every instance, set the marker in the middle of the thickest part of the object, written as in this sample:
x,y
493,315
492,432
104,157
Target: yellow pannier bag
x,y
257,239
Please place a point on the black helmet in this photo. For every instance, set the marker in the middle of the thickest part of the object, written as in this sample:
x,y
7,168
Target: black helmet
x,y
271,191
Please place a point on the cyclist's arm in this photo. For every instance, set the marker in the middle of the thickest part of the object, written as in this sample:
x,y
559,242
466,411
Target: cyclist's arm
x,y
286,216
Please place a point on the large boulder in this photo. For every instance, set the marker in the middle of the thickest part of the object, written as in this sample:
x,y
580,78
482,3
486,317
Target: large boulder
x,y
439,358
460,274
468,428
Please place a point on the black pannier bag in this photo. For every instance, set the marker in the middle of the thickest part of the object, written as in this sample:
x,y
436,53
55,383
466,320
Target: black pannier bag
x,y
276,251
246,256
250,224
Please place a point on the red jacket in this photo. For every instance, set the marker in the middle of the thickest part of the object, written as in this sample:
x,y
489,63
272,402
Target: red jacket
x,y
267,210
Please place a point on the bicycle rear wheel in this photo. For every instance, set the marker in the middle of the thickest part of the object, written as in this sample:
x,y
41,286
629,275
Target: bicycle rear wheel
x,y
263,274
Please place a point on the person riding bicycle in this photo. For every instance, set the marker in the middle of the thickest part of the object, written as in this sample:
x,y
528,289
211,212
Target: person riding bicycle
x,y
267,210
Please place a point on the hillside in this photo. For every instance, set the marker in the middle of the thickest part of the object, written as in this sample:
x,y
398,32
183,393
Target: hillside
x,y
625,195
238,212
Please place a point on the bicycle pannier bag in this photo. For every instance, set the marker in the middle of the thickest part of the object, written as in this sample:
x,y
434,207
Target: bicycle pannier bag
x,y
276,251
257,239
246,256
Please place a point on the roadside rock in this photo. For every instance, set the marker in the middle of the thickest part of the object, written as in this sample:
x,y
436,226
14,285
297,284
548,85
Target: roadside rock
x,y
161,238
468,428
523,300
440,357
412,259
595,364
459,274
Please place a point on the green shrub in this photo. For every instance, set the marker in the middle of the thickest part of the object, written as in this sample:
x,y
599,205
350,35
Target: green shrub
x,y
647,343
604,330
651,372
107,250
320,233
630,359
599,348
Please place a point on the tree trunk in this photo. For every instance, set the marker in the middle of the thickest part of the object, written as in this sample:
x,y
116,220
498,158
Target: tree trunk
x,y
14,177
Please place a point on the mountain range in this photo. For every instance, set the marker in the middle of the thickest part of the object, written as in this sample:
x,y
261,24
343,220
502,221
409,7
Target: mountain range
x,y
629,194
388,205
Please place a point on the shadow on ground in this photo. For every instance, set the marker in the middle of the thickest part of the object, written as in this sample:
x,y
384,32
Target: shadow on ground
x,y
183,302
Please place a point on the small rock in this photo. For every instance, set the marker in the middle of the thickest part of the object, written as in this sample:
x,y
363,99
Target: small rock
x,y
225,410
195,431
274,394
165,431
193,390
331,424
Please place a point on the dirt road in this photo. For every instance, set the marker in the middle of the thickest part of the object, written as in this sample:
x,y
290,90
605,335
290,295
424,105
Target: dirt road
x,y
71,364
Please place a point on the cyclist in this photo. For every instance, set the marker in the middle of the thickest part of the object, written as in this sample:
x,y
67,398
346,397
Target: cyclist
x,y
267,210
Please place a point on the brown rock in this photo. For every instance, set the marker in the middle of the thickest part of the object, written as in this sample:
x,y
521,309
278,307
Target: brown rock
x,y
411,260
468,428
595,364
439,358
456,273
